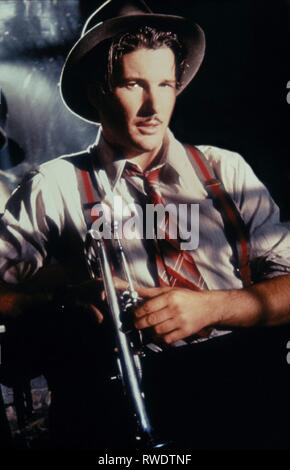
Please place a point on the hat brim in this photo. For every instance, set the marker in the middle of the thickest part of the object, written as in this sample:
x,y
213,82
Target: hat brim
x,y
72,86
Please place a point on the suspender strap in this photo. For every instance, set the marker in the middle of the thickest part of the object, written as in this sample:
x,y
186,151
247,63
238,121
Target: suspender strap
x,y
87,185
88,188
235,228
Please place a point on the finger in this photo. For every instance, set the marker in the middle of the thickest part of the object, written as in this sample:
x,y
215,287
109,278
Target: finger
x,y
97,313
173,336
153,319
152,305
165,327
120,283
152,291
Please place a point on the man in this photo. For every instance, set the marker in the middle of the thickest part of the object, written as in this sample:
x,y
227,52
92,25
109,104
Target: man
x,y
126,72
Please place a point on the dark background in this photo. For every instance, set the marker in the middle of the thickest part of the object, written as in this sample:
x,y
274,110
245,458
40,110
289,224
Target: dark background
x,y
237,101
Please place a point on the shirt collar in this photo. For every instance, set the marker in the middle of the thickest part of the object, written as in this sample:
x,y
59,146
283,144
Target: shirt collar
x,y
107,158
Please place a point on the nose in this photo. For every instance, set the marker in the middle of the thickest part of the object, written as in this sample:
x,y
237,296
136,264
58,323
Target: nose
x,y
151,102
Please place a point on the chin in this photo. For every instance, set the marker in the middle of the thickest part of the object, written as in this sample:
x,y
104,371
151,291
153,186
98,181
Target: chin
x,y
148,143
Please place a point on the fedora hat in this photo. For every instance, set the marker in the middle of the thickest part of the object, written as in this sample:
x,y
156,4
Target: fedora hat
x,y
113,18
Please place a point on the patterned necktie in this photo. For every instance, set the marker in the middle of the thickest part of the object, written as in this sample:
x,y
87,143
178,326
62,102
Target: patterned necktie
x,y
175,266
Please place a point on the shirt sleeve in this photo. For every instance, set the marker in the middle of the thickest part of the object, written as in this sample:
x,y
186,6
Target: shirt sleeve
x,y
28,227
269,237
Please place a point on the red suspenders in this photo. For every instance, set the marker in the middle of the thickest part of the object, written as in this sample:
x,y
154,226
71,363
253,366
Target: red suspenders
x,y
88,188
235,228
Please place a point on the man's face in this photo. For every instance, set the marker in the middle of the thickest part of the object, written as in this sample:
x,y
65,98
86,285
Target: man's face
x,y
135,116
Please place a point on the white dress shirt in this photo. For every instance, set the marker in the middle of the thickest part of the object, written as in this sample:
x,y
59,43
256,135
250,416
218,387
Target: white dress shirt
x,y
44,220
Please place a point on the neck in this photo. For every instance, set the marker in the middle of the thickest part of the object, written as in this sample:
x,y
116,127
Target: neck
x,y
144,160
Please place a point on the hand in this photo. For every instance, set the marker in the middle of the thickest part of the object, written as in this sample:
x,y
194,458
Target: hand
x,y
13,303
174,313
90,295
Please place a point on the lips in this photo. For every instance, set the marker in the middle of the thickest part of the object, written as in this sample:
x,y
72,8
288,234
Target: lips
x,y
149,127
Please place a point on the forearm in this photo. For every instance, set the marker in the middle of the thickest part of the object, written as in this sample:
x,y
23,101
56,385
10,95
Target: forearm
x,y
14,302
265,303
39,290
17,300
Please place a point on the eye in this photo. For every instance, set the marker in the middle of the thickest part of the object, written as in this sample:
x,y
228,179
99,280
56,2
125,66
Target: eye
x,y
132,85
168,85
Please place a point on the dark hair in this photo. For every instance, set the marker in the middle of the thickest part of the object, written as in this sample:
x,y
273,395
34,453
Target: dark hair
x,y
108,55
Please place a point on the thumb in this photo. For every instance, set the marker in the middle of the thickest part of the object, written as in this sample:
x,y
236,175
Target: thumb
x,y
150,292
97,313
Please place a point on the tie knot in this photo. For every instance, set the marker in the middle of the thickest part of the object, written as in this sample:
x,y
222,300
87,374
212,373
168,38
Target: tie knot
x,y
133,170
151,181
150,176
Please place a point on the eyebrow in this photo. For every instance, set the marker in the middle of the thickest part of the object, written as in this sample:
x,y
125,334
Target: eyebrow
x,y
169,81
142,81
